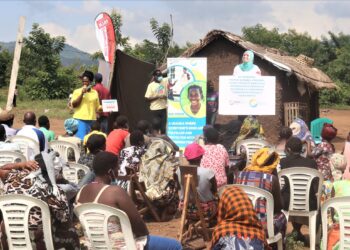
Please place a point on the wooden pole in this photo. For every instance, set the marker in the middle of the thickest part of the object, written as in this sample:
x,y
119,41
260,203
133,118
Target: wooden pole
x,y
15,64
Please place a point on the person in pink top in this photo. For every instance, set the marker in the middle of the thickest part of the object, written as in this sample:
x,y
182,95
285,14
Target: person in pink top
x,y
115,140
346,153
103,94
215,156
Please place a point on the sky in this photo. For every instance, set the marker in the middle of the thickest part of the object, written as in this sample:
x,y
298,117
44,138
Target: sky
x,y
192,20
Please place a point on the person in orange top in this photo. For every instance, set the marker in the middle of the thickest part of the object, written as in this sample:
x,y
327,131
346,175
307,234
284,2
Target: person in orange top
x,y
115,140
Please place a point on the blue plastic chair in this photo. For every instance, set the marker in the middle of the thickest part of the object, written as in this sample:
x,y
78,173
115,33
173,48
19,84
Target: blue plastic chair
x,y
316,128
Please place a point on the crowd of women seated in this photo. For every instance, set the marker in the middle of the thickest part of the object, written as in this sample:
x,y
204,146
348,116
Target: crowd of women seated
x,y
151,158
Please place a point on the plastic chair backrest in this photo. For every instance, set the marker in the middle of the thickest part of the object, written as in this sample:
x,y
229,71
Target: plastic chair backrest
x,y
15,210
62,148
94,219
71,173
25,143
317,126
255,194
300,180
11,157
342,207
251,146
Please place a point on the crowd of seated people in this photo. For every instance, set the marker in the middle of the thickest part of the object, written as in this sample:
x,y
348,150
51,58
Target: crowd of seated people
x,y
152,157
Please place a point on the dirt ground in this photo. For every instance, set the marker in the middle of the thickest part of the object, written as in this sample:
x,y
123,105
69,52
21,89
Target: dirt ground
x,y
341,120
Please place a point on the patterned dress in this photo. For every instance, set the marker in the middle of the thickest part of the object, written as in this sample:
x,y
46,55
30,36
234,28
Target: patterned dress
x,y
216,158
63,233
322,154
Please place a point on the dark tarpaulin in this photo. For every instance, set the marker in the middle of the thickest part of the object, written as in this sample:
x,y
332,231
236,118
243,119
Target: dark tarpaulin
x,y
128,85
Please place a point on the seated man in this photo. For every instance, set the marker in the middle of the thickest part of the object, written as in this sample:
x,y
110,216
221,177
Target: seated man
x,y
95,129
44,125
206,188
7,146
29,130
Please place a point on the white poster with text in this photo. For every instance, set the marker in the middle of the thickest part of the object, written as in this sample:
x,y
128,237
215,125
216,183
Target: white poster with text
x,y
247,95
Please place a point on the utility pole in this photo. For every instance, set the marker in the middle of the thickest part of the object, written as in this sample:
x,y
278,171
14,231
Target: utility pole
x,y
15,64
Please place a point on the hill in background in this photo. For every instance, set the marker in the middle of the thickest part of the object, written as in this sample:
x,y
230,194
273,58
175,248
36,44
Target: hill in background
x,y
70,55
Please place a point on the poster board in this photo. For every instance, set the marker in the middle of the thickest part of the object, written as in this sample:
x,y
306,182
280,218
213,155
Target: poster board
x,y
247,95
186,111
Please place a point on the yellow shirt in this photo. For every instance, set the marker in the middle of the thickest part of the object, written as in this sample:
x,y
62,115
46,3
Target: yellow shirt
x,y
200,114
88,106
155,89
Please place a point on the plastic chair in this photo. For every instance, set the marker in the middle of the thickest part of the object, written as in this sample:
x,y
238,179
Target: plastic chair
x,y
255,194
11,157
29,147
342,207
71,173
94,219
15,210
316,128
300,180
62,147
251,146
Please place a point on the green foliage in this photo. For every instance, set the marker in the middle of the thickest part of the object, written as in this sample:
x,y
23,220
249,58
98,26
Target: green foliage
x,y
332,55
41,72
5,66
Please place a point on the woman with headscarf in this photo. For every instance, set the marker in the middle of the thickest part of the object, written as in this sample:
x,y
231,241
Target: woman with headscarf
x,y
206,187
261,173
251,128
71,128
247,67
322,154
238,226
301,130
157,171
42,184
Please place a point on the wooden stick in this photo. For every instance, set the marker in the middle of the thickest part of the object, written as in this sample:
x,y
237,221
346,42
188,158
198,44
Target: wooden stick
x,y
15,64
188,178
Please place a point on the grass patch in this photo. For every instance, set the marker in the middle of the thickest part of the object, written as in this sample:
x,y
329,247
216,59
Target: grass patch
x,y
336,106
51,108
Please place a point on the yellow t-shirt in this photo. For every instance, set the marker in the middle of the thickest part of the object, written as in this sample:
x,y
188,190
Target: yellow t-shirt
x,y
155,89
88,106
200,114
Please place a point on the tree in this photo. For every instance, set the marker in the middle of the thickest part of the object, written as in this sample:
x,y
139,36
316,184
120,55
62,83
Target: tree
x,y
40,70
5,66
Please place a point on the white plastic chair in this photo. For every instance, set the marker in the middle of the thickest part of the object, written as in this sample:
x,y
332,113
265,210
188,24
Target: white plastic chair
x,y
254,194
71,173
11,157
15,210
342,207
94,219
62,148
251,146
300,179
29,147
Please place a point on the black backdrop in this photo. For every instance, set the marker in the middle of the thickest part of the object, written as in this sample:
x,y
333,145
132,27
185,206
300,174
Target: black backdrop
x,y
128,85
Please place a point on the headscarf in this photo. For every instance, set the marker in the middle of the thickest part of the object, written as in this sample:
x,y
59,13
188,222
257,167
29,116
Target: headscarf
x,y
329,132
301,130
71,126
246,66
157,168
193,151
338,165
251,128
264,160
237,217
